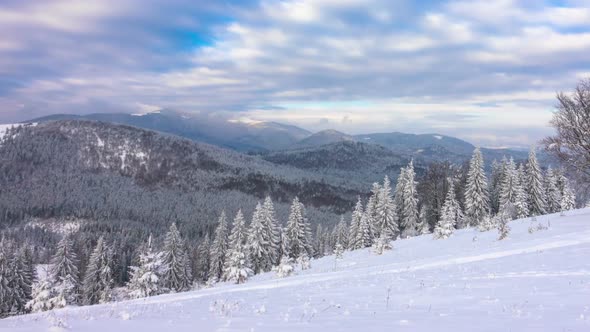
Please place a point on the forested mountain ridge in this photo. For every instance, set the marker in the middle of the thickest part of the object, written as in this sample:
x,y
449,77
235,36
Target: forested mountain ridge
x,y
104,171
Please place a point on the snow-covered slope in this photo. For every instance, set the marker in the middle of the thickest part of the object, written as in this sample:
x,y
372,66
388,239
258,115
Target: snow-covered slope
x,y
531,281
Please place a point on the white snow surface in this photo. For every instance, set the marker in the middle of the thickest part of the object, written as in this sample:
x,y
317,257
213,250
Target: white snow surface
x,y
537,281
437,136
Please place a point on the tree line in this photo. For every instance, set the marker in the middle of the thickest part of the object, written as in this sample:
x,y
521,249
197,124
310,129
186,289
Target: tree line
x,y
235,251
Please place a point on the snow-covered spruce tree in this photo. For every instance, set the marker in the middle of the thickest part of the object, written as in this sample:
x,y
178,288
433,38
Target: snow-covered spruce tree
x,y
318,242
364,235
341,233
271,230
410,203
203,262
451,215
568,198
219,249
521,206
534,186
381,244
386,217
98,280
488,223
63,271
355,226
509,185
298,232
552,192
258,249
285,267
19,283
44,297
372,204
495,184
177,275
6,293
237,269
237,243
338,250
502,219
476,193
304,261
146,279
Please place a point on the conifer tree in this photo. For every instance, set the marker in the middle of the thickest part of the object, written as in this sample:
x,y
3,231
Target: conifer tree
x,y
476,193
271,230
98,281
385,213
341,233
534,186
6,293
509,185
451,215
521,205
552,192
63,272
237,269
355,226
219,249
177,275
146,278
298,232
410,202
203,263
44,297
568,198
258,249
236,254
364,236
372,206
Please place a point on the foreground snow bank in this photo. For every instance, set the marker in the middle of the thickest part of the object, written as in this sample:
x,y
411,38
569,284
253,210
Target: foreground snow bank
x,y
538,279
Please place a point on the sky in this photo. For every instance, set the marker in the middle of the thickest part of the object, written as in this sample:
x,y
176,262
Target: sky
x,y
485,71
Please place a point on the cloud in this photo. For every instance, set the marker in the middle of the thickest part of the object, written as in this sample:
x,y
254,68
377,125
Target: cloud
x,y
357,66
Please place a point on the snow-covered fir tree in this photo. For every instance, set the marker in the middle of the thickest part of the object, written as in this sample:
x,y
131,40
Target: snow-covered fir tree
x,y
409,221
364,235
488,223
521,206
304,261
298,232
44,297
63,271
385,212
219,249
509,185
423,226
177,275
271,230
341,233
237,269
203,260
355,226
146,278
258,249
451,215
285,267
381,244
535,192
552,192
98,280
319,242
237,244
372,205
338,250
502,219
495,184
19,282
568,198
476,192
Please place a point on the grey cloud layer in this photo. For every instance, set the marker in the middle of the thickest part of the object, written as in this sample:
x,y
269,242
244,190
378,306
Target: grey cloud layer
x,y
465,68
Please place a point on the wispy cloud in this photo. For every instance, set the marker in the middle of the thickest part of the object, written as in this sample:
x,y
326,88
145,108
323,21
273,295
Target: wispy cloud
x,y
472,69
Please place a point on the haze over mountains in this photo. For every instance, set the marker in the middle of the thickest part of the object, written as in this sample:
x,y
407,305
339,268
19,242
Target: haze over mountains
x,y
263,137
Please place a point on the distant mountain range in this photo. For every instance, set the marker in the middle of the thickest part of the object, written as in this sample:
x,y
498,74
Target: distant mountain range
x,y
273,138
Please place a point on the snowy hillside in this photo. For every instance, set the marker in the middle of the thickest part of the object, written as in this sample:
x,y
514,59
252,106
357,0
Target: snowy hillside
x,y
538,279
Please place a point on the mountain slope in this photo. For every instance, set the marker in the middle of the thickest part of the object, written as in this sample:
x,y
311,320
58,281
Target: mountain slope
x,y
102,171
528,282
234,134
322,138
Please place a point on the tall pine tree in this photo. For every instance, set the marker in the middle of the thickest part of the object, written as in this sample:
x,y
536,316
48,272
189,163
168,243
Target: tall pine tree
x,y
298,232
177,275
476,193
535,192
63,271
219,249
98,281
